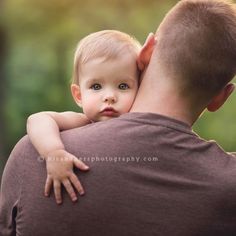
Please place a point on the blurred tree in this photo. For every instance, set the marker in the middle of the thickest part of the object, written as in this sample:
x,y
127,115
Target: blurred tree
x,y
3,81
43,35
38,52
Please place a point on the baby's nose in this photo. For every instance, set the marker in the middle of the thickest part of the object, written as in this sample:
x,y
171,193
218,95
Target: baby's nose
x,y
110,99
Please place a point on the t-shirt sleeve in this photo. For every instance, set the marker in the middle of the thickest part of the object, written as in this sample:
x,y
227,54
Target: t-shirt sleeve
x,y
232,154
10,191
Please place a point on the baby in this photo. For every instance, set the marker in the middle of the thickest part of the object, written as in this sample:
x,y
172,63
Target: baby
x,y
105,83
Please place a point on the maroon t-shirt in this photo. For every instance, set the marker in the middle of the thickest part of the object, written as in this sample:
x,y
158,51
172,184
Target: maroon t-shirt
x,y
150,175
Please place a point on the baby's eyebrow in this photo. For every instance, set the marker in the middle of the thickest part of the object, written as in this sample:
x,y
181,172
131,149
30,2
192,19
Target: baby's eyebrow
x,y
94,80
128,79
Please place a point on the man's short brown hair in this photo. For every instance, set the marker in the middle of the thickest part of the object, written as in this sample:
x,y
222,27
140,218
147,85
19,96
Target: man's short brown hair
x,y
197,45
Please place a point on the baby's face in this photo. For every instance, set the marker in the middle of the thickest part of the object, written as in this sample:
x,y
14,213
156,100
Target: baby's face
x,y
108,87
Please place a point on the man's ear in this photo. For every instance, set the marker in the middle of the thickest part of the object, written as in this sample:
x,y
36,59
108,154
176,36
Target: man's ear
x,y
146,52
220,99
75,91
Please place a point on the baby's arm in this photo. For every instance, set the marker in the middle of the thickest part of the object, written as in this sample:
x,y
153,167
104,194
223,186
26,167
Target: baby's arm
x,y
46,126
44,132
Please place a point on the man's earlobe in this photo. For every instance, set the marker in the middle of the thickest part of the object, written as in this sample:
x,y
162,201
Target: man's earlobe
x,y
75,91
146,52
221,98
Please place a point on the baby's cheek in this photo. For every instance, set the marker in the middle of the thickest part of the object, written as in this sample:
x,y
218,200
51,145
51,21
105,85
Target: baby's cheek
x,y
127,103
91,104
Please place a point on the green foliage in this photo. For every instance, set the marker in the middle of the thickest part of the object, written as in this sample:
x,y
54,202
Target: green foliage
x,y
42,36
220,125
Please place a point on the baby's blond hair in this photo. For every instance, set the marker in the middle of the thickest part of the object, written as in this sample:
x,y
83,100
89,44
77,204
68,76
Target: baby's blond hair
x,y
107,43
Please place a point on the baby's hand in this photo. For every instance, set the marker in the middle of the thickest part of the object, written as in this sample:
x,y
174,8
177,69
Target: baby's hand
x,y
60,165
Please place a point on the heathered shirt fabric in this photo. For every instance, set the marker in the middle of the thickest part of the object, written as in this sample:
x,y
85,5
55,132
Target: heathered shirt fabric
x,y
150,175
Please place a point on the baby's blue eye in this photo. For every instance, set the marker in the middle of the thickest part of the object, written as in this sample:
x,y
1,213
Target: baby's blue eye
x,y
123,86
96,86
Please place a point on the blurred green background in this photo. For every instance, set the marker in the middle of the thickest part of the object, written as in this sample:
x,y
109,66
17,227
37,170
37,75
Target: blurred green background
x,y
37,42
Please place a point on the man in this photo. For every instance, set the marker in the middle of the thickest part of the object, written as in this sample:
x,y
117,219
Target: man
x,y
190,190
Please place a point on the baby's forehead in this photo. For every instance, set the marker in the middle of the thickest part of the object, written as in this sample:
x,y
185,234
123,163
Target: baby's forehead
x,y
109,54
110,69
125,63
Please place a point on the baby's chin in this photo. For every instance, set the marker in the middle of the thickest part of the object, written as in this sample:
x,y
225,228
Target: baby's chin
x,y
104,118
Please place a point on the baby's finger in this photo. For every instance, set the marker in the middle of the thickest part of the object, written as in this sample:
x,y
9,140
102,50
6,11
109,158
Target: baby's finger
x,y
47,186
70,189
57,191
80,165
74,180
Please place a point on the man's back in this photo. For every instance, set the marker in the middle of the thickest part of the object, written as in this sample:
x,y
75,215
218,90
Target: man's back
x,y
150,175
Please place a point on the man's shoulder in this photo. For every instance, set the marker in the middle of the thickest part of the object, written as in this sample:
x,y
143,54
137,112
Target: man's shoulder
x,y
22,149
23,144
232,154
221,166
20,146
92,128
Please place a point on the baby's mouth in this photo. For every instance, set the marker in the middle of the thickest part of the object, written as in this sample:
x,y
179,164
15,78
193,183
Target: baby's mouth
x,y
109,111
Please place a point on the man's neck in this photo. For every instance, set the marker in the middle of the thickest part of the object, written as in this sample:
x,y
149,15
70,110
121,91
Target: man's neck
x,y
156,98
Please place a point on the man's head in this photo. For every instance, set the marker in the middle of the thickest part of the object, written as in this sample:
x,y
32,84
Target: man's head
x,y
105,77
196,50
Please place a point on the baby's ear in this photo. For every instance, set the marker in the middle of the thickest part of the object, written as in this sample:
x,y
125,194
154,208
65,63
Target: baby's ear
x,y
75,91
146,52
